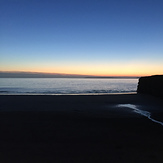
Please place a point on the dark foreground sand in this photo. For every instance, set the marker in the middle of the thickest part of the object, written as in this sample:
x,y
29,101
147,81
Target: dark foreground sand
x,y
80,129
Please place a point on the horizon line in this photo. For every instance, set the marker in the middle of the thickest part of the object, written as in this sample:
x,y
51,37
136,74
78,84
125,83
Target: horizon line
x,y
29,74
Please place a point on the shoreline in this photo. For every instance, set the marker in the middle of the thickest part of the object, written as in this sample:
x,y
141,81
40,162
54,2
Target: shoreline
x,y
116,98
82,128
82,94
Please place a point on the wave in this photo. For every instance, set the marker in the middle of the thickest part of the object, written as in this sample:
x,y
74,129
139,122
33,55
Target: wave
x,y
67,86
63,92
141,112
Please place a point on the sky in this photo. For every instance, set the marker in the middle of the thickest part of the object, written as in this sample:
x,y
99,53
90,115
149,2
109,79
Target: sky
x,y
87,37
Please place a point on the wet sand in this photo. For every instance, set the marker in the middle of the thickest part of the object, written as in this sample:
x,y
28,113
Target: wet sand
x,y
63,129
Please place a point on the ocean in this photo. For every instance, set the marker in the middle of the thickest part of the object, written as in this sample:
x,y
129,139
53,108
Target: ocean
x,y
66,86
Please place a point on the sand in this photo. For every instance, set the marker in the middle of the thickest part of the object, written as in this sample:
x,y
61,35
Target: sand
x,y
80,129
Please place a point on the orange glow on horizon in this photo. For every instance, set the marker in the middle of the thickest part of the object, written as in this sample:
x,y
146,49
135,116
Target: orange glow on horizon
x,y
89,74
121,70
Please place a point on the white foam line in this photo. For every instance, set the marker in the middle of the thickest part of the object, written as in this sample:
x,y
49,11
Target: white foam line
x,y
141,112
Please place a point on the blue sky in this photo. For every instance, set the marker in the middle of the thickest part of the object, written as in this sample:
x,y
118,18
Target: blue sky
x,y
95,37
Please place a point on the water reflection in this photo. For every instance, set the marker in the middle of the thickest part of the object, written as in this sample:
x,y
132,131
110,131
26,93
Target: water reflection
x,y
141,112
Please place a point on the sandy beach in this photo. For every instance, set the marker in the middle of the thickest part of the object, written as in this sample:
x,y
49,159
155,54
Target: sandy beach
x,y
80,129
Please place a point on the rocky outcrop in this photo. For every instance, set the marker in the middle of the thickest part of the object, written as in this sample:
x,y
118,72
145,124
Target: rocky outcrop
x,y
152,85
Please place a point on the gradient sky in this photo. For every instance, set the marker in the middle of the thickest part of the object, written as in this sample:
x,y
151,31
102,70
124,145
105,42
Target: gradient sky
x,y
91,37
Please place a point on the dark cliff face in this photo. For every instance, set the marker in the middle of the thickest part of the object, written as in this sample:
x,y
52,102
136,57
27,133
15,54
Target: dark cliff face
x,y
152,85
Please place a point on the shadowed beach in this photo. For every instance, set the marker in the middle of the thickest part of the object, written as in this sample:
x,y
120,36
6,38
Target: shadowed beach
x,y
103,128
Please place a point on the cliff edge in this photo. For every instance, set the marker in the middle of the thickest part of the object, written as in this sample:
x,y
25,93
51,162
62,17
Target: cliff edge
x,y
152,85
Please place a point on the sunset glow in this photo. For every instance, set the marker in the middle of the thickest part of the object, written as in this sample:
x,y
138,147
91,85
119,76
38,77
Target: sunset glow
x,y
80,37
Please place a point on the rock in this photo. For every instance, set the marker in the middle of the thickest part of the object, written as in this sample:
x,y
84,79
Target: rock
x,y
152,85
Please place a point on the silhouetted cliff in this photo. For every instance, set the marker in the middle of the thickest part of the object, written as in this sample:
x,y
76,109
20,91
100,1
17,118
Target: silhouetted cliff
x,y
152,85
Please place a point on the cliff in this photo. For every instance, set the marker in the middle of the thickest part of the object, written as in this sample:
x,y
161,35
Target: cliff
x,y
152,85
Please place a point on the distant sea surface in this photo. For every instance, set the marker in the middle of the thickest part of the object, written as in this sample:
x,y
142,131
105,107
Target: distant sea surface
x,y
66,86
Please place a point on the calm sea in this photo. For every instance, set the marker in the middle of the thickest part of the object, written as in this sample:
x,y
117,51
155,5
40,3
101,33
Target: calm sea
x,y
63,86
